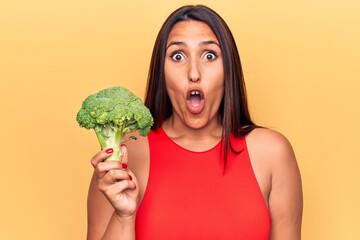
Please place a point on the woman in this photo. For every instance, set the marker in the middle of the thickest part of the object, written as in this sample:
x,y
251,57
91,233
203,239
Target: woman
x,y
205,170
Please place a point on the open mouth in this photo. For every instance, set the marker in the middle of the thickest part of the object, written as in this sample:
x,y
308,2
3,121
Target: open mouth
x,y
195,101
195,97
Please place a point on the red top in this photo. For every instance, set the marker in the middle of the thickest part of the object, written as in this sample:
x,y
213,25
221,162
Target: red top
x,y
189,196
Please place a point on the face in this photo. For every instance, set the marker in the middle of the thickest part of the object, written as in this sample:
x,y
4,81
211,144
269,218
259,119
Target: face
x,y
194,74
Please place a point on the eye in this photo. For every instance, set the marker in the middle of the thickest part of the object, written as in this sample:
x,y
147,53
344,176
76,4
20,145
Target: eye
x,y
177,56
210,56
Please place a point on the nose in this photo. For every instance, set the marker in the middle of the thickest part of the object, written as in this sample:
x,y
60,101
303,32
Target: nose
x,y
194,72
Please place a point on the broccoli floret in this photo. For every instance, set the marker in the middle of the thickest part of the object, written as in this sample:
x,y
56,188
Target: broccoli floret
x,y
113,113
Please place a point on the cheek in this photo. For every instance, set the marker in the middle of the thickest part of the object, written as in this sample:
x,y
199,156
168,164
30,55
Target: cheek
x,y
216,73
219,84
219,95
218,90
174,82
173,89
171,86
170,78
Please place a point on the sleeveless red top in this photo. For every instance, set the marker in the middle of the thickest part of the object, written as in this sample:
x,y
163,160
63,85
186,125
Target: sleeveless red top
x,y
190,196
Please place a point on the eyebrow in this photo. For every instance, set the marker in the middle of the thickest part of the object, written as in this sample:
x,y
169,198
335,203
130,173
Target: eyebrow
x,y
203,43
209,43
175,43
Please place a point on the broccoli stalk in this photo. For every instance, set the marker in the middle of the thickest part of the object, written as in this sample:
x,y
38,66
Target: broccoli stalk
x,y
113,113
110,135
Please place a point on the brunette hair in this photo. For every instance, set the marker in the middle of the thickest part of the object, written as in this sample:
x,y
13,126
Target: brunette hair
x,y
233,111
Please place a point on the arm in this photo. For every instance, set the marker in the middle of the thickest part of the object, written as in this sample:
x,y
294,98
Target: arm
x,y
278,175
99,211
285,199
111,204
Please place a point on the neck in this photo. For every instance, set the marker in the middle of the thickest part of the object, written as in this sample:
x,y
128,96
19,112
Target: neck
x,y
199,139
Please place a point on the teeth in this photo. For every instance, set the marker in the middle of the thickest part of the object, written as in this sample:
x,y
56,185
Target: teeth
x,y
195,92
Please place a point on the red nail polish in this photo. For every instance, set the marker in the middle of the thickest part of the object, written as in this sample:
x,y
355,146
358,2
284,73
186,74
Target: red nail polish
x,y
109,150
130,177
124,165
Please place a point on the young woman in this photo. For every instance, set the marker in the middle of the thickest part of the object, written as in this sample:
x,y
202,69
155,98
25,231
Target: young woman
x,y
205,171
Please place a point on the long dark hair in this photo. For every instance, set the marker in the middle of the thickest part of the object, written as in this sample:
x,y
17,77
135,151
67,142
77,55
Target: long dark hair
x,y
233,112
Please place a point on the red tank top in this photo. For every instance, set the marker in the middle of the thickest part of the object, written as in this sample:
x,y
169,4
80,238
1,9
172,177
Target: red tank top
x,y
189,196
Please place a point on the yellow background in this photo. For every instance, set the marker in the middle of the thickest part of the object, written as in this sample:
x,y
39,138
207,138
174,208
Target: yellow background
x,y
301,63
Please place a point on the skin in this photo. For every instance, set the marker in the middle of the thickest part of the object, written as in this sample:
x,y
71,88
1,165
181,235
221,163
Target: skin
x,y
193,61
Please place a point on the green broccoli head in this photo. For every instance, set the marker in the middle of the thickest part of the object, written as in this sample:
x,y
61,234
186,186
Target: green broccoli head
x,y
113,113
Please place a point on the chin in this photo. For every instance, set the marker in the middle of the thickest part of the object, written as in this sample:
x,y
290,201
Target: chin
x,y
197,124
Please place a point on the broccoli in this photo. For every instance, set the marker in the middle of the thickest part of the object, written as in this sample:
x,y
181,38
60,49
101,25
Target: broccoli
x,y
113,113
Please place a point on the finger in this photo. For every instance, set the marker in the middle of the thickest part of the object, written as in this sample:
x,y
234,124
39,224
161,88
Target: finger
x,y
103,167
101,156
132,176
134,179
124,159
115,175
112,180
113,190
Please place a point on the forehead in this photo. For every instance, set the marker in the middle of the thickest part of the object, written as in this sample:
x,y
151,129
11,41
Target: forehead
x,y
186,30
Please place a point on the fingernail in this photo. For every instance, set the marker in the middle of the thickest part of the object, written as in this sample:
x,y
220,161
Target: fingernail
x,y
109,150
124,165
130,177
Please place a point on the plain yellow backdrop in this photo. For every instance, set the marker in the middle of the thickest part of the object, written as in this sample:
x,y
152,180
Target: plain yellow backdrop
x,y
301,64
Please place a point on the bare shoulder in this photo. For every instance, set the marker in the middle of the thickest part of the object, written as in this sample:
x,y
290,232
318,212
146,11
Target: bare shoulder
x,y
269,141
273,157
270,147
